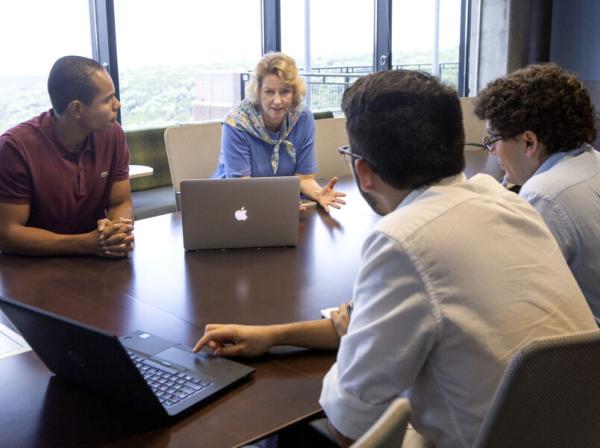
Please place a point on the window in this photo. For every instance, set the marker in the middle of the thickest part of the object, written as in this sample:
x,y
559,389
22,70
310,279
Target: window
x,y
180,61
337,48
34,34
414,43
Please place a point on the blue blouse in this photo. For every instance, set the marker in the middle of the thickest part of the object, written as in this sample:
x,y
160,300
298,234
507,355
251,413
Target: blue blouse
x,y
245,155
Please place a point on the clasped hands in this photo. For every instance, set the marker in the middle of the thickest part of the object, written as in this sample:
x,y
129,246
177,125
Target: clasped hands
x,y
114,239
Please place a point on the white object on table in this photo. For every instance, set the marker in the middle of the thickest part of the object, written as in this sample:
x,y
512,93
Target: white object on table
x,y
140,171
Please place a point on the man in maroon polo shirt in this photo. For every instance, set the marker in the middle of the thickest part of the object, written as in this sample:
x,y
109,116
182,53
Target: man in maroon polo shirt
x,y
64,175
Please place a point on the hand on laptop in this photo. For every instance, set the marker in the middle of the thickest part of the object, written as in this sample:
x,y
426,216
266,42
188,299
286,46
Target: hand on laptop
x,y
329,197
236,340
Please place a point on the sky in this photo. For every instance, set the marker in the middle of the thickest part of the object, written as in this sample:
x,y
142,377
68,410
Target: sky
x,y
171,32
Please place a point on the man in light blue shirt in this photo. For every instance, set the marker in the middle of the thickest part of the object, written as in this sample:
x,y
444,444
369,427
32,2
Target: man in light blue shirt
x,y
540,122
454,279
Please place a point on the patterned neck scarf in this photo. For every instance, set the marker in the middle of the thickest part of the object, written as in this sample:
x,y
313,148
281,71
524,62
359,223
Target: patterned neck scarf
x,y
247,118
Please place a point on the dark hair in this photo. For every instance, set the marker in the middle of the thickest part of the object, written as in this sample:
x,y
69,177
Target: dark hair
x,y
407,125
542,98
71,79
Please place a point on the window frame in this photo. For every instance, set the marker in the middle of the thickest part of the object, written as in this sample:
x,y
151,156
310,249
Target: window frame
x,y
104,38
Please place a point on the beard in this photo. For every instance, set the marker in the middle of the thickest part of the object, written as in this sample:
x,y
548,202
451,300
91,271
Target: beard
x,y
366,196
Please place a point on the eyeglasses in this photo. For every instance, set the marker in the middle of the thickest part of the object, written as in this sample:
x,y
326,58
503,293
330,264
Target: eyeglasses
x,y
346,151
488,142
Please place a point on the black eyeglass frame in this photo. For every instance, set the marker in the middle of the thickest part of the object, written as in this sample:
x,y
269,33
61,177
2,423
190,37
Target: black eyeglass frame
x,y
488,142
346,150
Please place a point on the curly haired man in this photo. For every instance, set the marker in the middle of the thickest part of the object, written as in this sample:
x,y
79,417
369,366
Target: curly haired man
x,y
540,121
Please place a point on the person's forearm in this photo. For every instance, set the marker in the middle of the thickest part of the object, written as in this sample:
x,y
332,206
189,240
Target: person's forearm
x,y
310,188
319,334
122,210
34,241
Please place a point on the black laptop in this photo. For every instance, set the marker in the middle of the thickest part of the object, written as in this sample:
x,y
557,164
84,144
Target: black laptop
x,y
160,377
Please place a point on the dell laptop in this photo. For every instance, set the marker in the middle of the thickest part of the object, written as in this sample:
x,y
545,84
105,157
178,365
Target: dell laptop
x,y
155,375
237,213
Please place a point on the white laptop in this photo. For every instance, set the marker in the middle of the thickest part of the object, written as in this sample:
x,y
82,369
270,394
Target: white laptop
x,y
237,213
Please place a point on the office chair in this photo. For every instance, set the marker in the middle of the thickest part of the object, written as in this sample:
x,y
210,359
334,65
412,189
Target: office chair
x,y
330,134
549,396
474,127
322,114
193,152
388,431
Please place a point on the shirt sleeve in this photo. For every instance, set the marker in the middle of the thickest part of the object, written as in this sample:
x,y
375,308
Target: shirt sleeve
x,y
306,162
391,333
122,165
15,181
236,152
557,220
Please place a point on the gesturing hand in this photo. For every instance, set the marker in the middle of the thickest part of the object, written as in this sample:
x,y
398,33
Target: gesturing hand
x,y
329,197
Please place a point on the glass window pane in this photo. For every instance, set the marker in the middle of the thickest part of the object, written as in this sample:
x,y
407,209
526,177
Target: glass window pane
x,y
180,61
413,37
337,49
34,34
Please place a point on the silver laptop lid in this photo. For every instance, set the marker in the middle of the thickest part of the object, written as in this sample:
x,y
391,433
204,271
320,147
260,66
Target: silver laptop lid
x,y
236,213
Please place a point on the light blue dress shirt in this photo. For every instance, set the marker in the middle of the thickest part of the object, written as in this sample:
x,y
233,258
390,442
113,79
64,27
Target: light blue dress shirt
x,y
451,284
565,190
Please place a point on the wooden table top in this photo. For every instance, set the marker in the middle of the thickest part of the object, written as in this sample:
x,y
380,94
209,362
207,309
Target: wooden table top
x,y
172,293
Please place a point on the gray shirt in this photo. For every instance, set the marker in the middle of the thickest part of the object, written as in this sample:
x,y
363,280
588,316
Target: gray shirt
x,y
565,190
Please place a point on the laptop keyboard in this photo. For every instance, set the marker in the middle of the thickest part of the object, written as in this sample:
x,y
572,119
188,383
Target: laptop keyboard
x,y
169,385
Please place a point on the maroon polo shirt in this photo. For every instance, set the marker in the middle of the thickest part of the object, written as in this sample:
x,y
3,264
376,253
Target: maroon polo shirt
x,y
68,192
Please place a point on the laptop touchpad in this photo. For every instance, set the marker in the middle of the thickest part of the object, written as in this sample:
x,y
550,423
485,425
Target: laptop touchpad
x,y
201,363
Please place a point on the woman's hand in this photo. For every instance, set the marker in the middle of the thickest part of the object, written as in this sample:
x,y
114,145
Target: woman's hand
x,y
329,197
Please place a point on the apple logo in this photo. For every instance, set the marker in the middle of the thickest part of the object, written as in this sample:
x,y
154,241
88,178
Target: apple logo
x,y
241,214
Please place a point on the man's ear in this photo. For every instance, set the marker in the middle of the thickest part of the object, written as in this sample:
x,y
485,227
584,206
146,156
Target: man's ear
x,y
75,109
365,175
533,146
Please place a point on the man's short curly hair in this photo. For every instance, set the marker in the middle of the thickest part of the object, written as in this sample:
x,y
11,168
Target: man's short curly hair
x,y
542,98
282,66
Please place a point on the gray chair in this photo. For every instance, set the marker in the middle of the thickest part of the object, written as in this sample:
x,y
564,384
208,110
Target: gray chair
x,y
388,431
548,397
193,152
474,127
330,134
322,114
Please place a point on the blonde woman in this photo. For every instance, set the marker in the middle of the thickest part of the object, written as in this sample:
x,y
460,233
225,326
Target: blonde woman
x,y
272,133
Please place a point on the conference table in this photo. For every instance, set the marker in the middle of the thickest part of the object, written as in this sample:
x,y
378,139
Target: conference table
x,y
164,290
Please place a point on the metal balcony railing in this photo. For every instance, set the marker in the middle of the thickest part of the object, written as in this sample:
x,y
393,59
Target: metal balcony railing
x,y
326,85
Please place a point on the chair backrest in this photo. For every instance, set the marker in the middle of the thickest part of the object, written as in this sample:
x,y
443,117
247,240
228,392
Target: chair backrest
x,y
193,150
322,114
474,127
330,134
388,431
548,397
